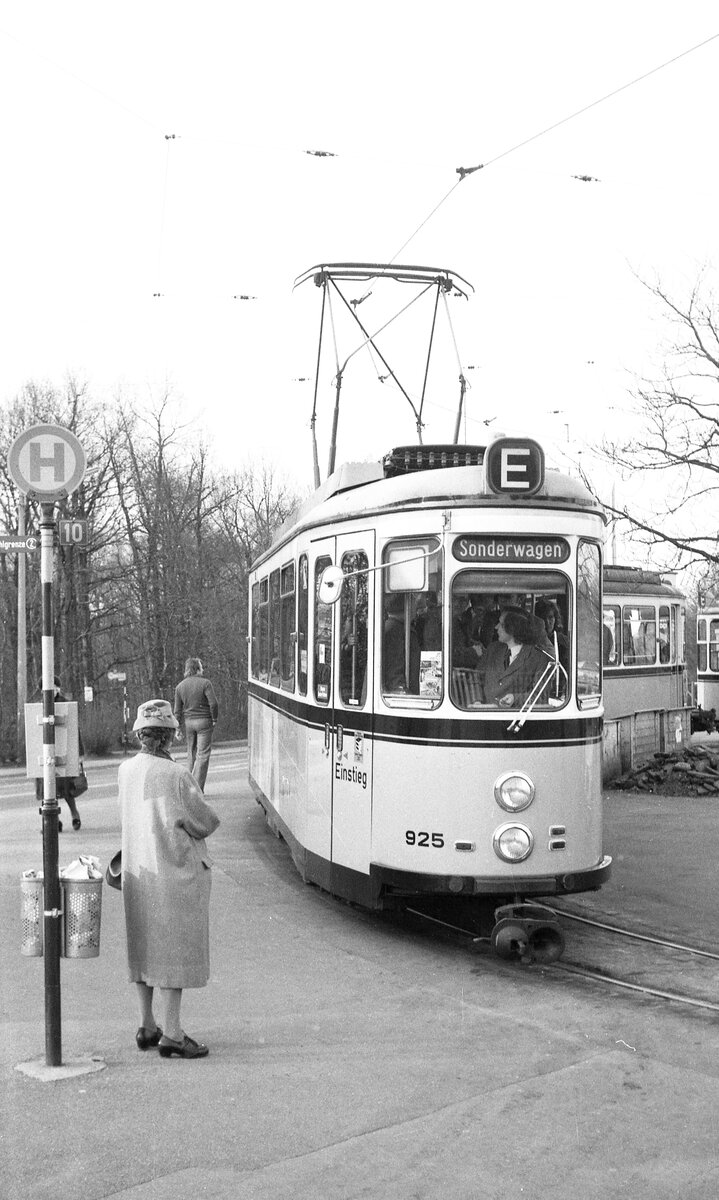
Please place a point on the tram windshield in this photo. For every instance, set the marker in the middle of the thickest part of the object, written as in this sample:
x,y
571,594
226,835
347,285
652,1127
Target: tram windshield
x,y
510,639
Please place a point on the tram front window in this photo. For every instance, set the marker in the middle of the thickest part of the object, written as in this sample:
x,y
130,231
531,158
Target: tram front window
x,y
510,639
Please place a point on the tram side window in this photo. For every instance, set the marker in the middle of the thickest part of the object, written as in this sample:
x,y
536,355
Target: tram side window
x,y
287,627
701,644
639,635
510,639
273,634
353,626
254,644
302,624
322,639
260,632
412,620
714,645
667,635
589,624
611,642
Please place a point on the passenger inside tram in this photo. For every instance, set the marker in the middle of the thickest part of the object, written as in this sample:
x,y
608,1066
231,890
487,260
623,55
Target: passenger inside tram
x,y
549,612
428,622
401,648
467,647
511,659
514,663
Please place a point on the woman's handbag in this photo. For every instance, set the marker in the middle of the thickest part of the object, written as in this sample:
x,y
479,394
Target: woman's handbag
x,y
113,874
79,782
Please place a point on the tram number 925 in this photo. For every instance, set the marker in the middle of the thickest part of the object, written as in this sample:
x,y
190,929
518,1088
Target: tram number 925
x,y
420,838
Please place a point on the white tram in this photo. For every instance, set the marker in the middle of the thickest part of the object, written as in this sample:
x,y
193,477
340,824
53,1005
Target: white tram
x,y
377,747
643,642
708,658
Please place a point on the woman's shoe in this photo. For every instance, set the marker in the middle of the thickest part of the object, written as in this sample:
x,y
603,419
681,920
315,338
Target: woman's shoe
x,y
76,822
145,1039
187,1048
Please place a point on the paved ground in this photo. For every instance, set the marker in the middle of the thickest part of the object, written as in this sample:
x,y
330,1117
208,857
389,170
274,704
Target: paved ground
x,y
349,1059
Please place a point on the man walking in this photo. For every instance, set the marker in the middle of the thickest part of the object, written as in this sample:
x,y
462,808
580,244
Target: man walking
x,y
196,708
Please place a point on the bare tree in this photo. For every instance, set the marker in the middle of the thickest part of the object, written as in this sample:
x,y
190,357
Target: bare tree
x,y
166,569
75,620
675,453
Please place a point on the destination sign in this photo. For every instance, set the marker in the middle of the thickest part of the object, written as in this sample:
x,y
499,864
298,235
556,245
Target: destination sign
x,y
471,549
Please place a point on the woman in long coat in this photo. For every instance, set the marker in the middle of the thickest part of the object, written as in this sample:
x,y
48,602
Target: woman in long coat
x,y
166,879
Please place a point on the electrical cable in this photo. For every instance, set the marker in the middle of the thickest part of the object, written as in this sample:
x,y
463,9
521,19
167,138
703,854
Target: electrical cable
x,y
465,171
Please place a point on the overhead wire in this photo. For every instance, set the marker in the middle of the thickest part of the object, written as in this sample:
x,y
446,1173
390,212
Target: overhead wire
x,y
464,172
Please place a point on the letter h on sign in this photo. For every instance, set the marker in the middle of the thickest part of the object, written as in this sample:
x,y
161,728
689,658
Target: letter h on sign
x,y
514,466
56,460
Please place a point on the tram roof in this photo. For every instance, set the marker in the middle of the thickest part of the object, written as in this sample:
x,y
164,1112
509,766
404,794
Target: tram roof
x,y
363,488
638,581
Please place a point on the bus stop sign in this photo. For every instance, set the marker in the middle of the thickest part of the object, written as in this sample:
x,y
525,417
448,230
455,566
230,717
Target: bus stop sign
x,y
47,462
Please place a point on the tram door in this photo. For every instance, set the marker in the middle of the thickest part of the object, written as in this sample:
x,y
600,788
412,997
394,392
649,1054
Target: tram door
x,y
340,757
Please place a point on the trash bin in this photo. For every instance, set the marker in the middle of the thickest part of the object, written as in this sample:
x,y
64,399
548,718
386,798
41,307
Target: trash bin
x,y
31,914
82,905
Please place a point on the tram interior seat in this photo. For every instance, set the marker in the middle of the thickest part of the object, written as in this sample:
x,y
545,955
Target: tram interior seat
x,y
467,686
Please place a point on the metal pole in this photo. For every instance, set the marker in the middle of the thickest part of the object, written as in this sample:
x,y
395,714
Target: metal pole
x,y
335,419
21,634
50,808
462,390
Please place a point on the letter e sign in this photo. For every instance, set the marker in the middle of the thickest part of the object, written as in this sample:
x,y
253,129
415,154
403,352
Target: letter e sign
x,y
514,466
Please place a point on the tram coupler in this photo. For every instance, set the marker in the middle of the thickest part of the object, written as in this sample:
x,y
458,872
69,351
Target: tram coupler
x,y
525,932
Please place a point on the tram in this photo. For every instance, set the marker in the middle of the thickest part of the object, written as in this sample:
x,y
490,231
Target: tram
x,y
708,659
644,659
381,747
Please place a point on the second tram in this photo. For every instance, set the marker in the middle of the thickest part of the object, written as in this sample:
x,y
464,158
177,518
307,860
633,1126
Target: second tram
x,y
708,658
416,726
643,642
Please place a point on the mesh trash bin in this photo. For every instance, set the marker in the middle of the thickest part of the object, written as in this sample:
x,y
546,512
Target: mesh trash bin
x,y
31,916
82,904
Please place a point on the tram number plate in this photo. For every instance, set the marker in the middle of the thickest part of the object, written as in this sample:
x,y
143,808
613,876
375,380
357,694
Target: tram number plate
x,y
420,838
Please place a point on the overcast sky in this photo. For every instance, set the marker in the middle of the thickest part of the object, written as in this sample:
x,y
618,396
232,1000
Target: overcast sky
x,y
162,148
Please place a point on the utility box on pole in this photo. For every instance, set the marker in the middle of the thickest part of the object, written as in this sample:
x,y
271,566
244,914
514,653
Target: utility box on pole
x,y
67,740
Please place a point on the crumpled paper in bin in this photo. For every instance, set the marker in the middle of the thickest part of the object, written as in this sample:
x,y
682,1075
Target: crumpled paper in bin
x,y
84,867
32,875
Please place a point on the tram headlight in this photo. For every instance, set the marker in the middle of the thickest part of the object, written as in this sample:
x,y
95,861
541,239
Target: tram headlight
x,y
514,791
513,843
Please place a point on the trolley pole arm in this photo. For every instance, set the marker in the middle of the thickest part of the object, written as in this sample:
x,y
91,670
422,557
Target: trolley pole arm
x,y
458,423
313,422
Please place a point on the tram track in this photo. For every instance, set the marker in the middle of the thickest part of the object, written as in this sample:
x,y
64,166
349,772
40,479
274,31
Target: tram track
x,y
616,957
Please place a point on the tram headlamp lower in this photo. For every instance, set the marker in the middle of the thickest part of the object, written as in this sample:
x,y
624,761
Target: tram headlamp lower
x,y
514,791
513,843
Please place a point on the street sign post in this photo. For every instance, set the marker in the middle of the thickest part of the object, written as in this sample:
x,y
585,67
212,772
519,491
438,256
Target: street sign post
x,y
121,677
72,531
47,463
18,544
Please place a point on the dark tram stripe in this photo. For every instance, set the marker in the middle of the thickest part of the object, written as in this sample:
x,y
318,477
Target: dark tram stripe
x,y
434,731
649,672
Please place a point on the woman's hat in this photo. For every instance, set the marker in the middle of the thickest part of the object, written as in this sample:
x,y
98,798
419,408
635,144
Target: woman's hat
x,y
155,714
